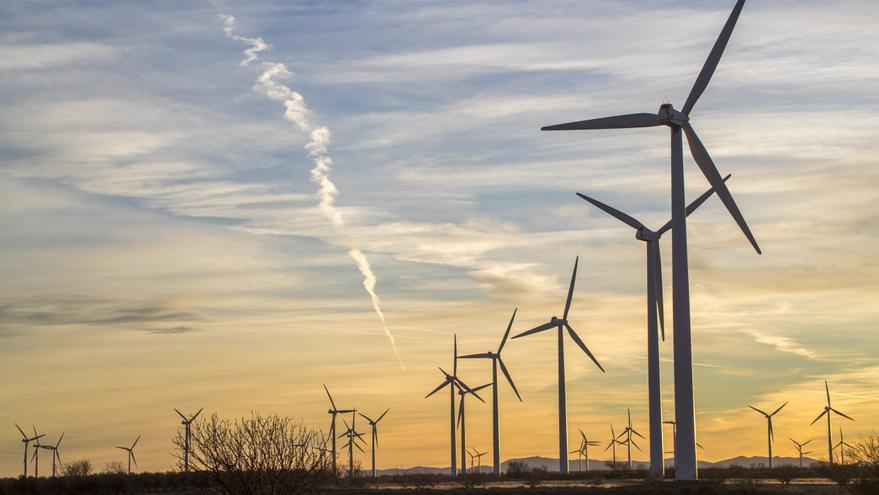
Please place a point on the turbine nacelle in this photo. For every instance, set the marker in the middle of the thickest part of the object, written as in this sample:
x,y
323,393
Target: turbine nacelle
x,y
672,117
558,321
646,235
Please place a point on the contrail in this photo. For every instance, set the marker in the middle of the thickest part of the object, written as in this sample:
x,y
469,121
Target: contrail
x,y
297,113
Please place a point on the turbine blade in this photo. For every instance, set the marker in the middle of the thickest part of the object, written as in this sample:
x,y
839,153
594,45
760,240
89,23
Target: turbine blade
x,y
331,397
476,389
541,328
135,441
383,415
460,412
481,355
841,414
455,364
366,417
657,280
59,440
640,435
196,414
180,414
709,170
623,217
804,443
443,384
358,448
571,289
635,444
819,417
580,343
826,387
509,378
759,411
133,457
713,59
616,122
20,430
468,389
507,333
693,206
779,409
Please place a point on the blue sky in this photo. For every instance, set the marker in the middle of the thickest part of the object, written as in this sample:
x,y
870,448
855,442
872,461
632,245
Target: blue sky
x,y
156,208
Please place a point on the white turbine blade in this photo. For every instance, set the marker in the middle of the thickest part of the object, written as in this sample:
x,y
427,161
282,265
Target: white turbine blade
x,y
640,435
180,414
580,343
827,389
779,409
481,355
468,389
443,384
196,415
841,414
382,415
541,328
20,430
571,290
692,206
507,333
759,411
623,217
709,170
455,363
627,121
713,59
819,417
477,389
509,378
135,441
59,440
330,397
133,457
657,280
460,412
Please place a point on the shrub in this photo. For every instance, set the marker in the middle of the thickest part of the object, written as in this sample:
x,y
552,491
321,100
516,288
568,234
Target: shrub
x,y
79,467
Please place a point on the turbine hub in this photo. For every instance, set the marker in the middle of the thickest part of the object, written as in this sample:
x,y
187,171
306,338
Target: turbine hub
x,y
672,117
645,234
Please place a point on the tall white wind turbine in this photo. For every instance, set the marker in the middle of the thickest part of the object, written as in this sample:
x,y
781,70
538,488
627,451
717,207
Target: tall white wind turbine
x,y
679,123
629,441
799,446
26,440
373,424
496,361
827,411
560,325
462,421
187,422
770,436
333,412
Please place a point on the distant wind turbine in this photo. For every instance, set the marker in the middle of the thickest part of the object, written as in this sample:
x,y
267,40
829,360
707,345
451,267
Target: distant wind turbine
x,y
613,444
585,443
462,422
187,421
674,435
36,457
842,445
353,437
333,411
26,440
374,426
828,410
495,362
629,441
560,325
55,454
679,124
454,383
770,436
655,312
799,446
130,451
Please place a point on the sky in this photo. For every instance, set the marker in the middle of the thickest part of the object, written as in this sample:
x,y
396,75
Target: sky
x,y
166,244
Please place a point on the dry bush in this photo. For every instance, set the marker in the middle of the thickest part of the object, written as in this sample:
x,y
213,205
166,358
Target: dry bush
x,y
79,467
115,467
256,455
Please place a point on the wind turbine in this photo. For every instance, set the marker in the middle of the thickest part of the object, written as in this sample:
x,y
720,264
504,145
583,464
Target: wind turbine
x,y
655,311
333,411
613,443
827,411
454,383
353,437
495,361
629,441
462,424
55,454
130,451
374,425
674,434
36,457
769,435
799,446
842,445
187,421
560,325
479,459
679,122
26,440
584,445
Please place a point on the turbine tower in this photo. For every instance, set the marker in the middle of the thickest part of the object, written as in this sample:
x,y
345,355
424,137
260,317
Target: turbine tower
x,y
130,451
36,457
374,425
462,424
629,441
585,443
454,384
655,311
55,454
769,435
613,443
187,421
560,325
827,410
26,440
679,123
799,446
353,437
333,411
674,434
495,362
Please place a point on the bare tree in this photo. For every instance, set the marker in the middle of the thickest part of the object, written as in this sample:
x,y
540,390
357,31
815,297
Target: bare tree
x,y
255,455
81,467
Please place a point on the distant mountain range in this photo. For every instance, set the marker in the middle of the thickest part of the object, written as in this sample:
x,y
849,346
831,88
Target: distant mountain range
x,y
551,464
